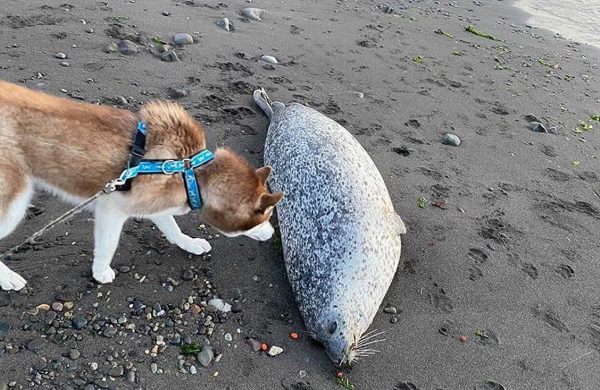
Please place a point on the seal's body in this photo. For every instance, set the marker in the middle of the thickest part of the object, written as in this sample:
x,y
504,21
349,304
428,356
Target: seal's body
x,y
340,234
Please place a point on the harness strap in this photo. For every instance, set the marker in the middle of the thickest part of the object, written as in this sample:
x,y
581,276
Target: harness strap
x,y
139,166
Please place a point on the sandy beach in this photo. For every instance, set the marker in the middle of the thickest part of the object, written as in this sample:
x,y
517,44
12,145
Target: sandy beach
x,y
499,287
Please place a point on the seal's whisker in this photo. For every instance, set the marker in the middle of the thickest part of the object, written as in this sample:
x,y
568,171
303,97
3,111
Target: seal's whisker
x,y
369,343
362,339
368,340
368,333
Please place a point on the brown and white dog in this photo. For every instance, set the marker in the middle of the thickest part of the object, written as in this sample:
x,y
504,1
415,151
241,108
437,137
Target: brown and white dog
x,y
73,149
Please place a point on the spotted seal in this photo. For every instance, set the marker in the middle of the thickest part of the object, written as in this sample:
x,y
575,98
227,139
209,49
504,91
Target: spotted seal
x,y
340,233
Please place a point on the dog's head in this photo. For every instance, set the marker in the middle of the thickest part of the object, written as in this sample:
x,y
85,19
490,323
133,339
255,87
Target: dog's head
x,y
236,199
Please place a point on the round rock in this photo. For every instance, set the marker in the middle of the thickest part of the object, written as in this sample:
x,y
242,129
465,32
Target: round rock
x,y
36,345
450,139
74,354
269,59
60,55
253,13
126,47
182,39
206,356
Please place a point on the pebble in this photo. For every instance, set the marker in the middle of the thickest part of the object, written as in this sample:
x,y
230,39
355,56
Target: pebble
x,y
269,59
65,64
253,13
275,350
394,319
131,376
182,39
254,344
89,30
390,310
187,275
538,127
228,337
206,356
451,139
120,100
111,48
219,305
236,307
74,354
116,371
178,93
169,56
154,368
4,328
36,345
79,322
193,370
57,306
225,24
126,47
60,55
94,366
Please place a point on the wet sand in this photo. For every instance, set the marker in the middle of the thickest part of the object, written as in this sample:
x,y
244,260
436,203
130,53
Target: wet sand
x,y
510,261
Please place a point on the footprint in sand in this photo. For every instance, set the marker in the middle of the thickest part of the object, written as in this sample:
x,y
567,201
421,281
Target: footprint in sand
x,y
477,255
566,271
550,317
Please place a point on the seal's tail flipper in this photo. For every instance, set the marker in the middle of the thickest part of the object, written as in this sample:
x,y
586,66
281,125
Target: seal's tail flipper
x,y
262,100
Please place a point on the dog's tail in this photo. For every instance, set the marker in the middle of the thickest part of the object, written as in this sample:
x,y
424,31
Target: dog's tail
x,y
263,101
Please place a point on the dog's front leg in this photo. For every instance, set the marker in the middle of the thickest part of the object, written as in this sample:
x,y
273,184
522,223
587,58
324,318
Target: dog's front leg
x,y
168,226
107,231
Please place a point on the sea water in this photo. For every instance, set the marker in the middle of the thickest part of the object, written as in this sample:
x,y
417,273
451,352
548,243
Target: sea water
x,y
578,20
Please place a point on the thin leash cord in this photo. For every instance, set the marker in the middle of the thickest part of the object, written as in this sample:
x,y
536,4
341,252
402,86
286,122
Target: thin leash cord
x,y
108,188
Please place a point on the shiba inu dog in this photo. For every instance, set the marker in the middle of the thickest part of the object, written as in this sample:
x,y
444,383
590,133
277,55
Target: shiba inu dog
x,y
73,149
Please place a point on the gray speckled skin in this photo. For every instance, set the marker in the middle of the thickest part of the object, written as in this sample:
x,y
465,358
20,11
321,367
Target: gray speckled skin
x,y
340,234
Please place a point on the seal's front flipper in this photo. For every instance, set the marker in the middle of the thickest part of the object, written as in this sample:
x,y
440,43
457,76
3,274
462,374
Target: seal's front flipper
x,y
263,101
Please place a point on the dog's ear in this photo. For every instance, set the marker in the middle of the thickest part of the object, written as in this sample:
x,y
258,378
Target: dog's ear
x,y
267,200
263,174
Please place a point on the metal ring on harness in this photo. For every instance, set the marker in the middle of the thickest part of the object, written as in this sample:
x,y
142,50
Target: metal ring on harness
x,y
162,167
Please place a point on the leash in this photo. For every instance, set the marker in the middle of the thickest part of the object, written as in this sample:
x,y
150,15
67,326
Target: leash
x,y
106,190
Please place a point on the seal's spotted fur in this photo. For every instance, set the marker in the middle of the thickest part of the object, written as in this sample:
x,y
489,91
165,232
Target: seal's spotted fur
x,y
340,234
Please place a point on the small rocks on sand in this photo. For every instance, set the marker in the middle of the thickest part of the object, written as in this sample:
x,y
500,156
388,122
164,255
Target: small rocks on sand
x,y
253,13
450,139
390,310
206,356
126,47
65,64
538,127
116,371
36,345
111,48
182,39
225,24
269,59
79,322
154,368
219,305
57,306
228,337
60,55
169,56
275,350
74,354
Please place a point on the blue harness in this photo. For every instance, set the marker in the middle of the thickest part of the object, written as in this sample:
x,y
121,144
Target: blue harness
x,y
139,166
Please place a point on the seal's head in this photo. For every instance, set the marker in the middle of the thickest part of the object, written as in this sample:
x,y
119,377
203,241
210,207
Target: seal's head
x,y
339,336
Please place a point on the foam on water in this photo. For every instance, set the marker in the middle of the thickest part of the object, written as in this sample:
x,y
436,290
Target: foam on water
x,y
578,20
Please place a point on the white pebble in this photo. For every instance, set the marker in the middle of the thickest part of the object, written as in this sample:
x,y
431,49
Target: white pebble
x,y
269,59
275,350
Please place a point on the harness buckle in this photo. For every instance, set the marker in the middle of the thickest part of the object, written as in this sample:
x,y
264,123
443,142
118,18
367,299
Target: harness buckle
x,y
187,163
162,167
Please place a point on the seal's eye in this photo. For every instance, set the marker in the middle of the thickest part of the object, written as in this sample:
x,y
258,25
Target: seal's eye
x,y
332,327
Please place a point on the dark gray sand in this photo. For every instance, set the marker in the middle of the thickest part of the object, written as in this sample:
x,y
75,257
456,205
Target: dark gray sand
x,y
509,260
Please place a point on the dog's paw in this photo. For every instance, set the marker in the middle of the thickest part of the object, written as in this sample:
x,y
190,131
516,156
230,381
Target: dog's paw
x,y
196,246
106,275
10,280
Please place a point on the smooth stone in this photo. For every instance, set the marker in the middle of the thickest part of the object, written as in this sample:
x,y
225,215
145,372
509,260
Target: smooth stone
x,y
131,377
169,56
228,337
225,24
74,354
206,356
538,127
182,39
219,305
253,13
126,47
236,307
36,345
124,268
187,275
154,368
390,310
116,371
394,320
111,48
4,328
269,59
275,350
79,322
193,370
65,64
60,55
94,366
57,306
254,344
450,139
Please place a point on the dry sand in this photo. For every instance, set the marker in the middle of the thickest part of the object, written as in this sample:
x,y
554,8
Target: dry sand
x,y
511,263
